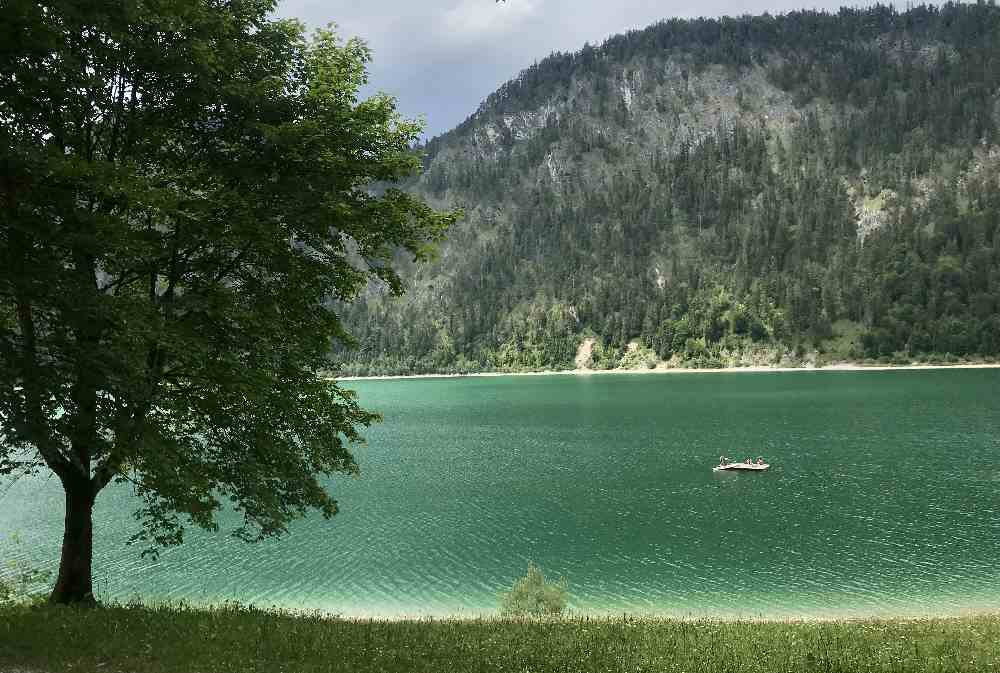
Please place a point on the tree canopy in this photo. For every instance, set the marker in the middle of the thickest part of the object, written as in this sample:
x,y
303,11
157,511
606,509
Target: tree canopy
x,y
187,186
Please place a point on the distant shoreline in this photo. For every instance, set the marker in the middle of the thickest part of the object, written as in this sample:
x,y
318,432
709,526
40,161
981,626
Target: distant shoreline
x,y
843,367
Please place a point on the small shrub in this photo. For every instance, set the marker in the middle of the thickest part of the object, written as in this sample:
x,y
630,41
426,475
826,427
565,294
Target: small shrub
x,y
532,596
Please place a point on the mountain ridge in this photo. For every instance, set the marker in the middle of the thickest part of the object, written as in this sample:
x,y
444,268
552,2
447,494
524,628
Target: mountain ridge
x,y
717,192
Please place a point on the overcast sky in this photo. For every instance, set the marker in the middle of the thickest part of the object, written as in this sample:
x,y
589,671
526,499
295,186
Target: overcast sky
x,y
440,58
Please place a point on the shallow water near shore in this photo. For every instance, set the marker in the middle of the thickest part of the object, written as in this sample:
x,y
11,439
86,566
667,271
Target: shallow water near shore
x,y
883,499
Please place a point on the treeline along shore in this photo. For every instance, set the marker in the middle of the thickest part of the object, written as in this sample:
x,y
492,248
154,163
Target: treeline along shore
x,y
839,367
180,639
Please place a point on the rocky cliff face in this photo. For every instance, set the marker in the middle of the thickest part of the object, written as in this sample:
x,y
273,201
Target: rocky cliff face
x,y
643,109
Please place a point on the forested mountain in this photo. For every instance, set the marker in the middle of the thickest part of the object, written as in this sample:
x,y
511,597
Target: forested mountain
x,y
745,190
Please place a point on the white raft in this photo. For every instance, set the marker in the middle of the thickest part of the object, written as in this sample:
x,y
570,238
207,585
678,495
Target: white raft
x,y
746,467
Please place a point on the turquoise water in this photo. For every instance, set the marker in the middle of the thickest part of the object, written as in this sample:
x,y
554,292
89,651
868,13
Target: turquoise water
x,y
883,498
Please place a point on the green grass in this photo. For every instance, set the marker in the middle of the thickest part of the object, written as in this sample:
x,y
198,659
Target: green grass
x,y
187,640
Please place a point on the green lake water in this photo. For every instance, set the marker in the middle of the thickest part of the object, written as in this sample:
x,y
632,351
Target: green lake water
x,y
883,498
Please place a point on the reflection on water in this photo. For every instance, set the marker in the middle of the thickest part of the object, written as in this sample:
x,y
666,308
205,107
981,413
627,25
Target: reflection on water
x,y
882,499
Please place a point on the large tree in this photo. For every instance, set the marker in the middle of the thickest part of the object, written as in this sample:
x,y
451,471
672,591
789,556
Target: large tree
x,y
186,187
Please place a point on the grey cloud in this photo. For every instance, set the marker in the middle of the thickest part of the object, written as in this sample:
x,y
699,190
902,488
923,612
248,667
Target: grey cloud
x,y
440,58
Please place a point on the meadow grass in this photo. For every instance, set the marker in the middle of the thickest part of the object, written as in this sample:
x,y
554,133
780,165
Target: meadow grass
x,y
181,639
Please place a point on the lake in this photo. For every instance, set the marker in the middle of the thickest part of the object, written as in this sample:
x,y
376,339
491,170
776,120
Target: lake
x,y
883,498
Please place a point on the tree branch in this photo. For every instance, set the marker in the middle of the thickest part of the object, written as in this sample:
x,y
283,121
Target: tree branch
x,y
34,417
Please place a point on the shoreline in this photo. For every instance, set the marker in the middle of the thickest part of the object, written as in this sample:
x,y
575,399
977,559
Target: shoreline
x,y
755,369
847,617
971,608
836,616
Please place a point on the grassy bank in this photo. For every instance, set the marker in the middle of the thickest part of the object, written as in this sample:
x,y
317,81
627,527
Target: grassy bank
x,y
181,640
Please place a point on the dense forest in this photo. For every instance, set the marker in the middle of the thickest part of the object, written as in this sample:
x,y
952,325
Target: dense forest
x,y
808,187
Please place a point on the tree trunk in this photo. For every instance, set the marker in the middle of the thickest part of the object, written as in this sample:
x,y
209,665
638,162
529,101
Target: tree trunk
x,y
74,585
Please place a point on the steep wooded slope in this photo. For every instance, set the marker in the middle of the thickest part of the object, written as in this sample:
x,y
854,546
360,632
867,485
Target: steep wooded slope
x,y
718,192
